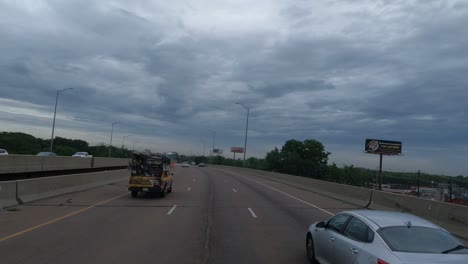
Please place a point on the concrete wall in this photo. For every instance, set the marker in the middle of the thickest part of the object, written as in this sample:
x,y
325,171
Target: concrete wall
x,y
7,193
65,163
40,188
110,162
452,217
20,163
29,163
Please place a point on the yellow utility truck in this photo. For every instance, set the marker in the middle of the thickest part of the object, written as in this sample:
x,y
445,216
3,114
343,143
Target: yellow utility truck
x,y
151,173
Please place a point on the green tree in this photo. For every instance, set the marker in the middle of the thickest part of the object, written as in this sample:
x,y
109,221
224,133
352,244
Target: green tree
x,y
20,143
273,160
304,158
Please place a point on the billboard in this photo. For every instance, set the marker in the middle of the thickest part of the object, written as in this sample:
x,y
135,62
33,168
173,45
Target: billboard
x,y
385,147
237,150
218,151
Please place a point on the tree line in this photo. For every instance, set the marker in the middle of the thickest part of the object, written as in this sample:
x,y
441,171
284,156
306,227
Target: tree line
x,y
22,143
306,158
309,158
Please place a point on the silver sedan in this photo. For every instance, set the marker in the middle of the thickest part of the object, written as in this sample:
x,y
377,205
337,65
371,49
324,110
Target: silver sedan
x,y
382,237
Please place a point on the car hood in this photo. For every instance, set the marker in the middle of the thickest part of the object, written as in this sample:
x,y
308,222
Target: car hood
x,y
418,258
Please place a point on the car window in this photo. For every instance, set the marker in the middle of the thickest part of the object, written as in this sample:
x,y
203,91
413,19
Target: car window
x,y
358,230
337,223
418,239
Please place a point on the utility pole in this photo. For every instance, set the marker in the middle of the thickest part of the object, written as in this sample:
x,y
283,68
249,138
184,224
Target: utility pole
x,y
450,188
380,173
419,176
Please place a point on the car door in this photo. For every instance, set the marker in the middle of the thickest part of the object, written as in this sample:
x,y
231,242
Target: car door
x,y
325,238
353,241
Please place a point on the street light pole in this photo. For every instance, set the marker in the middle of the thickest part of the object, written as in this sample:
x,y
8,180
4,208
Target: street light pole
x,y
55,113
214,139
246,129
112,131
123,140
204,145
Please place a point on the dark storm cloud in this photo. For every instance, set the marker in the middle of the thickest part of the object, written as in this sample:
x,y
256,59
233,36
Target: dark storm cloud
x,y
332,70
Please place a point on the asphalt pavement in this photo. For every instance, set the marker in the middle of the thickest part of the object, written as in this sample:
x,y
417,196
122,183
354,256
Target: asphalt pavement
x,y
212,216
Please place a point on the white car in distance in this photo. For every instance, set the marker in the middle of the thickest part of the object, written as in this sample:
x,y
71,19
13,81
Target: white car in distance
x,y
3,152
82,155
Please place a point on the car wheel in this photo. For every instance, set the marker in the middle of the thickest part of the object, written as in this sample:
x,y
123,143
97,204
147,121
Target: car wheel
x,y
310,249
134,193
163,192
169,190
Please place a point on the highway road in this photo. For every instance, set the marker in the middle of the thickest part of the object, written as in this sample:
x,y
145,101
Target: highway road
x,y
212,216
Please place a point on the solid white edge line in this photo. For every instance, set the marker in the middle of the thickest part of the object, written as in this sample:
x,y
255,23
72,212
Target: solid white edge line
x,y
234,190
287,194
188,189
172,210
252,212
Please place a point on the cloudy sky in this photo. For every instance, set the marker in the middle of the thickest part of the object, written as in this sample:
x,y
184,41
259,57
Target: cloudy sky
x,y
171,72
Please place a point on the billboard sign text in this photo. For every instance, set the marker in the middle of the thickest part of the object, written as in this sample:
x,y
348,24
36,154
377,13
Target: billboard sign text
x,y
385,147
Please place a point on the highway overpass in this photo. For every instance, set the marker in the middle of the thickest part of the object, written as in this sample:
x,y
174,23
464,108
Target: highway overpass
x,y
214,215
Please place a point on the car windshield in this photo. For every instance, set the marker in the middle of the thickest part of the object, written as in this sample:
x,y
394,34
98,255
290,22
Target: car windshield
x,y
418,239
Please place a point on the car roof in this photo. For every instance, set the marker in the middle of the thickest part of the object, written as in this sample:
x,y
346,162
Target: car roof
x,y
378,219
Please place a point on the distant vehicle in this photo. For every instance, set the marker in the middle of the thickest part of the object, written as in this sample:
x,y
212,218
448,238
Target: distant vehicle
x,y
3,152
46,154
150,173
185,165
381,237
201,164
193,163
82,155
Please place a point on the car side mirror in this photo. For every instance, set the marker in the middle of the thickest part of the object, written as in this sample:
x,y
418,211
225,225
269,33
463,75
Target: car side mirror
x,y
320,224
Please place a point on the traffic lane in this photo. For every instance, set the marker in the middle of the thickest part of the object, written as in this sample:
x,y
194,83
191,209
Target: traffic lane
x,y
116,232
272,231
114,235
18,218
330,206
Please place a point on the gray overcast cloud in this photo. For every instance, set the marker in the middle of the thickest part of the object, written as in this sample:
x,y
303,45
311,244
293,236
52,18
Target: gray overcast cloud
x,y
336,71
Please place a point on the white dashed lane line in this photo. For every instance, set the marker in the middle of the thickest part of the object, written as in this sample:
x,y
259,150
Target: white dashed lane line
x,y
287,194
172,210
252,212
188,189
234,190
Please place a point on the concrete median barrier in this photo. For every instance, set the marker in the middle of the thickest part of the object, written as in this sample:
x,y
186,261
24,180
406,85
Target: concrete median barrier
x,y
110,162
452,217
29,163
40,188
7,194
65,163
20,163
